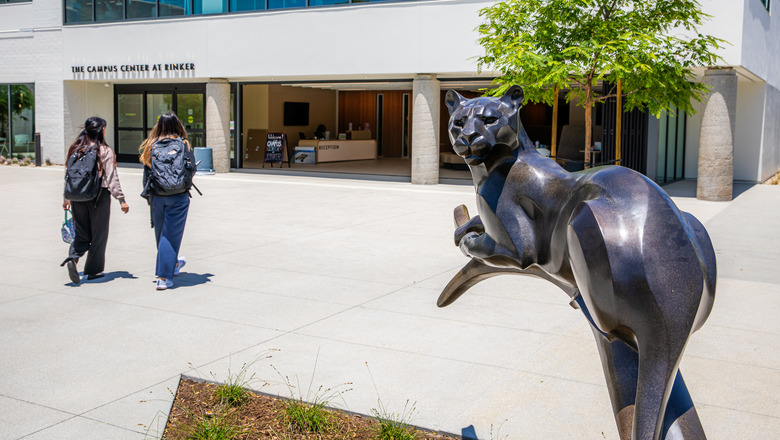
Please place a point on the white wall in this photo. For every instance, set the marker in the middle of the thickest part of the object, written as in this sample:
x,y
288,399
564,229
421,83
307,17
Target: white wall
x,y
748,127
761,42
83,100
375,39
769,161
726,23
31,52
15,16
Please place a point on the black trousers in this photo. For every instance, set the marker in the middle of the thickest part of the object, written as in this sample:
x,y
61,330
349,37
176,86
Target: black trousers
x,y
90,220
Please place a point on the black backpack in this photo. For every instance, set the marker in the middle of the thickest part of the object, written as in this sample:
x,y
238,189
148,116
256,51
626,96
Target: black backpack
x,y
82,179
173,166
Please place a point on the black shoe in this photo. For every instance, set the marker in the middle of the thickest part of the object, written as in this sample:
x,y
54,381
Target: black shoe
x,y
73,273
95,276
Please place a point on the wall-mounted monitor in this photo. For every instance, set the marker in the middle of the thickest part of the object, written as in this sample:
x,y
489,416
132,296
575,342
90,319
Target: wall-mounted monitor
x,y
296,113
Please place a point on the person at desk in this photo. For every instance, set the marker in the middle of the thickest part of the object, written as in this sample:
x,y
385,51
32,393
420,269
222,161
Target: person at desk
x,y
319,133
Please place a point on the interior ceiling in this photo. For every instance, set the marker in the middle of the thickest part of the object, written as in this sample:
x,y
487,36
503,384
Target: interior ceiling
x,y
459,84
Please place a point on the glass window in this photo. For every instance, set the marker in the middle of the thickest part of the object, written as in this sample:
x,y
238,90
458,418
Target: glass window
x,y
680,144
247,5
196,139
156,105
141,9
326,2
108,10
765,3
17,104
232,125
78,11
129,141
281,4
190,110
660,175
210,6
130,109
174,7
5,144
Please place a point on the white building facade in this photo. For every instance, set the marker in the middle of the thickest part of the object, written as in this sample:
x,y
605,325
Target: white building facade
x,y
227,72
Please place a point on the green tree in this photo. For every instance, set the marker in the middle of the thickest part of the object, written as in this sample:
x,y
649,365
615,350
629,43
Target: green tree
x,y
651,46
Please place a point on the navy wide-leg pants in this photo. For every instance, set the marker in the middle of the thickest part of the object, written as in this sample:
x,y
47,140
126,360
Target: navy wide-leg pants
x,y
169,217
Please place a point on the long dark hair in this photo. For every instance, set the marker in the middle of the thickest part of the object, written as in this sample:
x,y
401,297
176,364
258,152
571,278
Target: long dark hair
x,y
167,126
91,134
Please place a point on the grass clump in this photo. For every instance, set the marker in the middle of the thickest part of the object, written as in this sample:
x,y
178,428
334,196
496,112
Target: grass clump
x,y
233,392
309,414
212,427
308,417
395,426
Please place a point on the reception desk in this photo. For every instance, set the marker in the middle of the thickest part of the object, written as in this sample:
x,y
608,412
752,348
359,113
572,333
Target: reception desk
x,y
339,150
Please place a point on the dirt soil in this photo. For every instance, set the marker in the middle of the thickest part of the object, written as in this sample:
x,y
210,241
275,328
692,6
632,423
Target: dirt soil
x,y
262,418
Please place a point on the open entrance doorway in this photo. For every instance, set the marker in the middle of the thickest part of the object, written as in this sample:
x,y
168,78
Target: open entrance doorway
x,y
372,119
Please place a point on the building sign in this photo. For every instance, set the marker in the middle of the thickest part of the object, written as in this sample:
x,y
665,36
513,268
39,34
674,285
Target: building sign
x,y
131,71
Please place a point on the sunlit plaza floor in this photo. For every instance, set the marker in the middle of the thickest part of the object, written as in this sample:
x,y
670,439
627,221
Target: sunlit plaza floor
x,y
390,168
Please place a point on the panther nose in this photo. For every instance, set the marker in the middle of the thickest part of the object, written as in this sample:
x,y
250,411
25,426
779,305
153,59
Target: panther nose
x,y
471,137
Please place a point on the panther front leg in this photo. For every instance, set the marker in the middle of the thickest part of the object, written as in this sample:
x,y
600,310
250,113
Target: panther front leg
x,y
474,242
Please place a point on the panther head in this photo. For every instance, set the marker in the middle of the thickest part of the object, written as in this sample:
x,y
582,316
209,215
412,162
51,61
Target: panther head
x,y
477,125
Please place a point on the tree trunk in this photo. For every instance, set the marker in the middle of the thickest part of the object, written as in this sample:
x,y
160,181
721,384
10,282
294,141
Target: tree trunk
x,y
588,115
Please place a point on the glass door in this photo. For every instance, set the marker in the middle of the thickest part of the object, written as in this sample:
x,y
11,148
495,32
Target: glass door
x,y
138,107
156,105
190,110
130,125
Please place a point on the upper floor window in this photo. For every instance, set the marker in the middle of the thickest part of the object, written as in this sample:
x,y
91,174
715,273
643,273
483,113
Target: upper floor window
x,y
13,1
88,11
765,3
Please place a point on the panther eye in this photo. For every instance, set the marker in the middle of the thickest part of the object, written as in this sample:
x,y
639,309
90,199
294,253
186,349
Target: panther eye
x,y
460,122
489,120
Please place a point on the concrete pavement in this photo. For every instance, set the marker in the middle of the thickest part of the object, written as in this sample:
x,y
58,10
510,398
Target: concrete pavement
x,y
344,275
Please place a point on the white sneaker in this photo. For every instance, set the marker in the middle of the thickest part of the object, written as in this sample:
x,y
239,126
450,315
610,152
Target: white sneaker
x,y
163,284
179,264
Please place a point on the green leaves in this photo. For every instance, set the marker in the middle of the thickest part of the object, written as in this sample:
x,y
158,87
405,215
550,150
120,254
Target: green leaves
x,y
573,44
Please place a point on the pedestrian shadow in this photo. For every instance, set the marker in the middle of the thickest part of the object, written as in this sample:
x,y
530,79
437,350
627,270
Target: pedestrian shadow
x,y
193,279
108,276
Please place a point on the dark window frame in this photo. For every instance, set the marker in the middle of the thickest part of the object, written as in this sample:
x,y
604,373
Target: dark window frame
x,y
145,89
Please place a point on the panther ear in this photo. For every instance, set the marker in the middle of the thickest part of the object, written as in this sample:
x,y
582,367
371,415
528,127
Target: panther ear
x,y
513,97
453,101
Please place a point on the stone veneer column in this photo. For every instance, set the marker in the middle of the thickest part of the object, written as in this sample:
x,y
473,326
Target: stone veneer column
x,y
716,138
425,129
218,123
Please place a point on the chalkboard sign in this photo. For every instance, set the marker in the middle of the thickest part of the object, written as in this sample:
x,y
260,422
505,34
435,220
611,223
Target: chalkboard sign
x,y
275,149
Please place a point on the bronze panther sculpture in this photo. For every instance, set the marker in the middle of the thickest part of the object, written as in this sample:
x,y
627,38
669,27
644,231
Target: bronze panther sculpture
x,y
642,271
